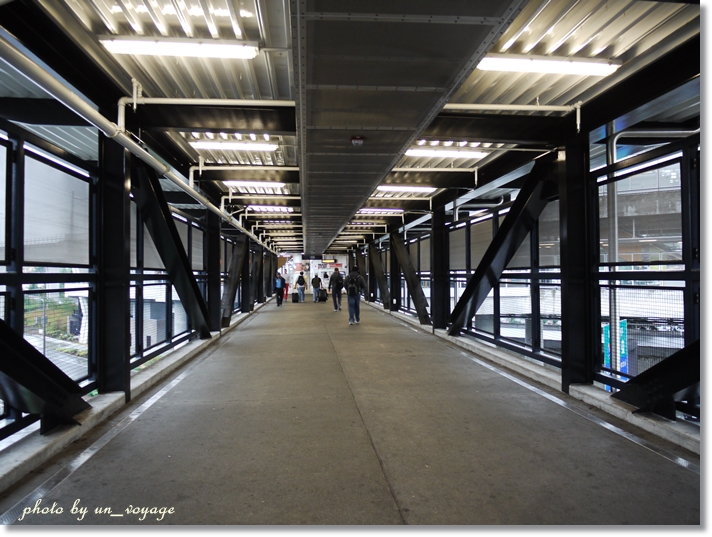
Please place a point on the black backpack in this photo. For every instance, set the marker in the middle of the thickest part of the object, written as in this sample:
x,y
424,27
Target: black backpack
x,y
300,280
352,285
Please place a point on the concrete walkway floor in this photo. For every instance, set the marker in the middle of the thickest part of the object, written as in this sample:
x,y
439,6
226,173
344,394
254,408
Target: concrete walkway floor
x,y
298,418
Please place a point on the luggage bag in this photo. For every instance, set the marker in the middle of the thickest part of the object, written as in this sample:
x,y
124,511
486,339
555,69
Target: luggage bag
x,y
295,297
322,295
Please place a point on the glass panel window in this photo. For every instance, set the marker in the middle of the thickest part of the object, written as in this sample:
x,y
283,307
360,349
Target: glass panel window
x,y
57,324
151,258
480,239
197,245
180,318
425,255
549,236
522,257
457,249
56,216
550,311
647,227
515,317
154,315
484,318
182,228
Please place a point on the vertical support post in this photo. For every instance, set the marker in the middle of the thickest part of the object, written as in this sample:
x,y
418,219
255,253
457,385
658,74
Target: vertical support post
x,y
579,334
260,274
535,321
212,267
113,319
690,186
394,276
16,202
612,199
246,283
439,269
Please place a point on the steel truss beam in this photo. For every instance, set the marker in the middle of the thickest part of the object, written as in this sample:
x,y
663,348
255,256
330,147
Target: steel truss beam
x,y
380,275
522,217
150,200
237,260
411,278
31,383
655,389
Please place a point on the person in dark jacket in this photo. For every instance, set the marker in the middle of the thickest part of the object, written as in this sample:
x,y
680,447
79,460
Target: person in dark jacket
x,y
280,285
336,284
354,284
316,285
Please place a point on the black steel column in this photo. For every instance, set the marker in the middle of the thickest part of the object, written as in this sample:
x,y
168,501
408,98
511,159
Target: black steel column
x,y
579,330
260,274
212,267
690,185
113,311
16,204
246,302
439,269
394,277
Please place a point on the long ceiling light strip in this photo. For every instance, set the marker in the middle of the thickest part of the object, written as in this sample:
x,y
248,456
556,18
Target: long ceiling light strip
x,y
194,48
233,146
254,184
406,188
548,65
445,153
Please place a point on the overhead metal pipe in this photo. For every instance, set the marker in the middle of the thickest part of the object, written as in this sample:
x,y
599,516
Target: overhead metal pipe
x,y
38,76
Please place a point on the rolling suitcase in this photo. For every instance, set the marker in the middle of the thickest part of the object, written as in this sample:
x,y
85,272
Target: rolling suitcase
x,y
322,295
295,297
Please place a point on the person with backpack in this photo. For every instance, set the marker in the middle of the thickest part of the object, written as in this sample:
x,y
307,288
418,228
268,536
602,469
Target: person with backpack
x,y
354,285
336,284
316,285
279,286
301,285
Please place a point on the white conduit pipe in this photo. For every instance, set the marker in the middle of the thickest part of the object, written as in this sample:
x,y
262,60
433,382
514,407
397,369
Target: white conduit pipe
x,y
48,83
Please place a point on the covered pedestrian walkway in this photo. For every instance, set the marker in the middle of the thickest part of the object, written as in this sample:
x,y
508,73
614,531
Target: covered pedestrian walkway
x,y
295,417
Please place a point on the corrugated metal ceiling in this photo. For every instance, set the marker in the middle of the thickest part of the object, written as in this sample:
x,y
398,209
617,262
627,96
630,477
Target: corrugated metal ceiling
x,y
380,70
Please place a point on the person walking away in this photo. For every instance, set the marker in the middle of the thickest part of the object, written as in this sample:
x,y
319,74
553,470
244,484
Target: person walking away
x,y
336,284
301,285
354,284
316,285
279,286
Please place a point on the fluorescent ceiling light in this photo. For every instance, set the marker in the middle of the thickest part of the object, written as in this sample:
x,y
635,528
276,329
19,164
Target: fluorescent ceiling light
x,y
377,210
405,188
195,48
548,64
255,184
445,153
271,208
234,146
